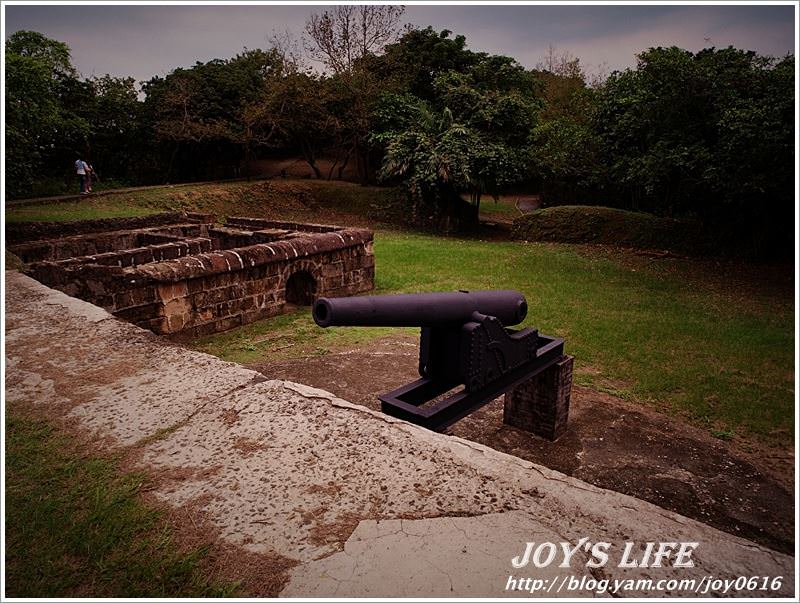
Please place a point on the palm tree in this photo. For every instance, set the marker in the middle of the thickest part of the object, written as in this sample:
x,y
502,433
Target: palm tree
x,y
433,154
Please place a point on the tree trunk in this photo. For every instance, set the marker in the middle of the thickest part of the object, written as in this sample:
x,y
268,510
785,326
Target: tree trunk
x,y
317,172
172,161
333,167
344,163
367,168
247,160
311,160
359,162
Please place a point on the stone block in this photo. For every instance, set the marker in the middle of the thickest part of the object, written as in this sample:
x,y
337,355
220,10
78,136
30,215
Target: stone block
x,y
226,324
218,262
170,252
157,325
541,404
203,218
140,256
205,329
195,285
123,299
334,268
199,299
170,291
332,282
255,286
143,295
216,296
140,313
177,306
177,322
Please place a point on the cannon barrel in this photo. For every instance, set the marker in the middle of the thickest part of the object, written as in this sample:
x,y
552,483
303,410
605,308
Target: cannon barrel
x,y
420,309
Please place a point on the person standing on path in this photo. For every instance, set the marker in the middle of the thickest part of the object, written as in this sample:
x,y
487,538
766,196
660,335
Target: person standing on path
x,y
89,175
80,169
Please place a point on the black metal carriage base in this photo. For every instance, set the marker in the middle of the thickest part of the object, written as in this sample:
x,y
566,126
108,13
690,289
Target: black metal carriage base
x,y
465,341
409,401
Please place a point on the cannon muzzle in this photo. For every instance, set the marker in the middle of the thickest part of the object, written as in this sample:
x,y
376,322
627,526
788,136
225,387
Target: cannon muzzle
x,y
420,309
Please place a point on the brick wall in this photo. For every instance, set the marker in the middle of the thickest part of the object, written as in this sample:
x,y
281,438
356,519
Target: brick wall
x,y
194,287
103,243
17,232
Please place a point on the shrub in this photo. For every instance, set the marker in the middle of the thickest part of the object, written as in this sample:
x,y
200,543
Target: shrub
x,y
608,226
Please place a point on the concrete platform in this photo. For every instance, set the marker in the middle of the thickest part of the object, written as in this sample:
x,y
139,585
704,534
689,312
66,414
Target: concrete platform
x,y
365,504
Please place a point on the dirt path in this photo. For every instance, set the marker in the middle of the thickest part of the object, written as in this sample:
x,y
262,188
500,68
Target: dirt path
x,y
528,203
610,443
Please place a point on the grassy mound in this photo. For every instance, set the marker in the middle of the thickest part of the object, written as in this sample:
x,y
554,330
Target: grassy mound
x,y
302,200
608,226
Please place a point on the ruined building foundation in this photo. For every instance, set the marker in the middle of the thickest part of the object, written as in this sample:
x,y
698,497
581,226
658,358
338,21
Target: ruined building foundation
x,y
184,276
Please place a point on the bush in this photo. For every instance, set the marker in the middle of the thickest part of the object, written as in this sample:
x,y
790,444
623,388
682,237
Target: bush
x,y
608,226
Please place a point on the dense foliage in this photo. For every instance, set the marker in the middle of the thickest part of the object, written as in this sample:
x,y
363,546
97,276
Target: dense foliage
x,y
707,135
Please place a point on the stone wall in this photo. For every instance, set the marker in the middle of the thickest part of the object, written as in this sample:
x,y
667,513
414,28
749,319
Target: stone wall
x,y
197,279
18,232
87,246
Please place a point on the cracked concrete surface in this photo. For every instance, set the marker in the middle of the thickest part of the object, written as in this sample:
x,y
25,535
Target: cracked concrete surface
x,y
369,505
439,557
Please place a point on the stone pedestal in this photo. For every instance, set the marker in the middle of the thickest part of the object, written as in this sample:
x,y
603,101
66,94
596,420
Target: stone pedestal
x,y
541,404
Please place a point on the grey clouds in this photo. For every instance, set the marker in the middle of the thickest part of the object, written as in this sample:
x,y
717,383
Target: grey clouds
x,y
143,41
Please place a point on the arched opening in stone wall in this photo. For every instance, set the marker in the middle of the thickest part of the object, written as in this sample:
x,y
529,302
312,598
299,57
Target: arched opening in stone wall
x,y
301,288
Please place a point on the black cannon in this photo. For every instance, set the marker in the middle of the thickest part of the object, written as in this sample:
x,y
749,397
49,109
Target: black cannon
x,y
464,342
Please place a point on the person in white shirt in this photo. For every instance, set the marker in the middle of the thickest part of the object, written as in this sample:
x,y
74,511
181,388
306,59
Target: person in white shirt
x,y
81,169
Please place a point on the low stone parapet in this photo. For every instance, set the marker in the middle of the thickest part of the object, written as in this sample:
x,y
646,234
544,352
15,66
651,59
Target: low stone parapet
x,y
192,279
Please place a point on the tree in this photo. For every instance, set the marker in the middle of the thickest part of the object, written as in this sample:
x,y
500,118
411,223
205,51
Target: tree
x,y
117,138
343,36
471,140
52,54
471,134
430,152
708,134
565,92
299,104
43,132
345,39
567,162
499,109
422,55
214,109
565,153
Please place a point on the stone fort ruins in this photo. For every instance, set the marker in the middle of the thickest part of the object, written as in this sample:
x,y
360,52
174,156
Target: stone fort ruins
x,y
185,276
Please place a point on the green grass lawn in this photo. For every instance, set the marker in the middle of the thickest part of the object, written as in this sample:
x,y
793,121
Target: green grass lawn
x,y
89,209
638,333
278,198
647,334
76,526
504,208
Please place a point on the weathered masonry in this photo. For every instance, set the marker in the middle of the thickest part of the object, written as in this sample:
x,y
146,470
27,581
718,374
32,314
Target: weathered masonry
x,y
182,275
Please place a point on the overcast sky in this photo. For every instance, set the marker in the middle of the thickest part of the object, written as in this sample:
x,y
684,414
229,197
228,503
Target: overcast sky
x,y
143,41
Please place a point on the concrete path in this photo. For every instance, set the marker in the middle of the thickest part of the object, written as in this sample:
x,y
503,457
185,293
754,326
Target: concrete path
x,y
363,504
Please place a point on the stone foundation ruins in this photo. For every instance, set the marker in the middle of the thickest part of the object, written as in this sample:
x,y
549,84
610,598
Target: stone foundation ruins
x,y
183,275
